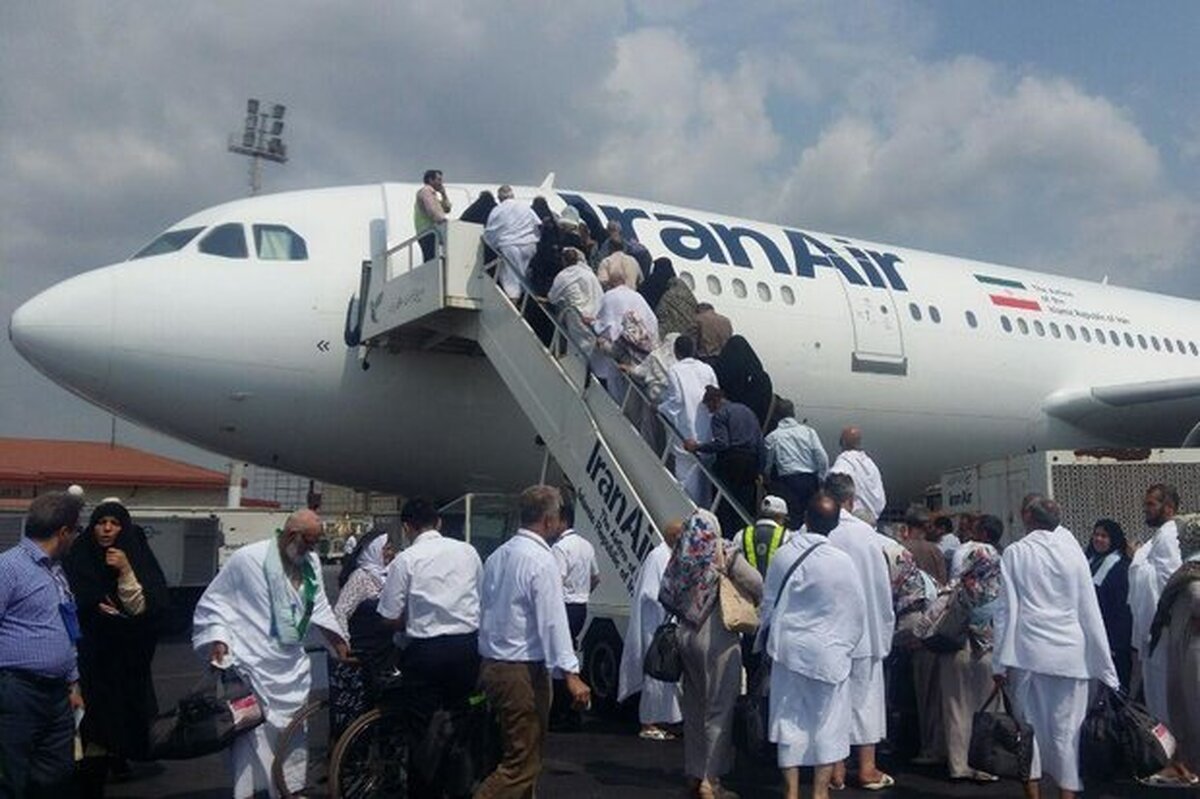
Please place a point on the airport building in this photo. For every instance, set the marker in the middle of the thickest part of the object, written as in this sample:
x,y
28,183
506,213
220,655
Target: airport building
x,y
32,466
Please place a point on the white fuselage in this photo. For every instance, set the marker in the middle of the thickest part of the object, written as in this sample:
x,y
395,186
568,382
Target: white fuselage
x,y
246,356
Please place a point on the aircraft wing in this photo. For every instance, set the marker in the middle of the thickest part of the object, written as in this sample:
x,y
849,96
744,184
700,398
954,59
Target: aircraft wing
x,y
1151,410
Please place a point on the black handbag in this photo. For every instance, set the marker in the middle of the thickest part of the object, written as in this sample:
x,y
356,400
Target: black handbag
x,y
220,707
1000,744
1101,752
663,661
1148,745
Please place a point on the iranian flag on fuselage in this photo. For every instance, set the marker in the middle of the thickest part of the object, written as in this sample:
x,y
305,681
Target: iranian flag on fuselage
x,y
1009,293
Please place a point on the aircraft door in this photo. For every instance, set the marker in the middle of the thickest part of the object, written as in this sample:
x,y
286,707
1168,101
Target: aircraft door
x,y
878,342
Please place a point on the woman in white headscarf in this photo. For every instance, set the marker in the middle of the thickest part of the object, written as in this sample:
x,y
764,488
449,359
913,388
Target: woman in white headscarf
x,y
355,612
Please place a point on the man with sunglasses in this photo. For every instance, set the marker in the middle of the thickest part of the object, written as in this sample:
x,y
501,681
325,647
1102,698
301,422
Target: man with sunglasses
x,y
39,688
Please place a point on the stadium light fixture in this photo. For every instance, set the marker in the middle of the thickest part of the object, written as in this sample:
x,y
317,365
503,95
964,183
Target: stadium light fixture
x,y
261,138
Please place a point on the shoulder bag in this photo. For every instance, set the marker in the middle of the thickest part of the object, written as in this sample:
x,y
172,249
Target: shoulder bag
x,y
739,614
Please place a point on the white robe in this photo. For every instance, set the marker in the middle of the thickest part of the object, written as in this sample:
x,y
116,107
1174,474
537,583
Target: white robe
x,y
235,609
610,324
1151,567
869,495
810,636
513,230
577,287
867,549
683,405
660,700
1050,636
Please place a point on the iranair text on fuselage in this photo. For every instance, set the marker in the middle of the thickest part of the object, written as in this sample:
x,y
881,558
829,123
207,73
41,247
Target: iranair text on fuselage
x,y
788,251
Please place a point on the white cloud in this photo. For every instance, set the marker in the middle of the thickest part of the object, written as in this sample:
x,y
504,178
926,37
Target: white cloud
x,y
678,130
967,156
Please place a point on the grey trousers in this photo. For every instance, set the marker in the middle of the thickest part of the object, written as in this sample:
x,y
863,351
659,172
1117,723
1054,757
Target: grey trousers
x,y
966,685
712,680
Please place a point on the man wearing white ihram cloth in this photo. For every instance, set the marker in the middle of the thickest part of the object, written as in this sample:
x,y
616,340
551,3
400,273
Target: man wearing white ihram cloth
x,y
811,635
683,404
659,704
869,496
255,616
1050,641
1152,565
513,230
869,714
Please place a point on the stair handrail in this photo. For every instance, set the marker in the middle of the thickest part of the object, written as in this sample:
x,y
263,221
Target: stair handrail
x,y
492,270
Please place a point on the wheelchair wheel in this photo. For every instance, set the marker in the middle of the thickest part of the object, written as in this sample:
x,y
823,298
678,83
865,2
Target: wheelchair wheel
x,y
370,759
310,725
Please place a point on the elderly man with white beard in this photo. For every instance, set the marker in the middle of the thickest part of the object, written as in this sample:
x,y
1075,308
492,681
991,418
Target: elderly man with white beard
x,y
869,706
254,617
1050,641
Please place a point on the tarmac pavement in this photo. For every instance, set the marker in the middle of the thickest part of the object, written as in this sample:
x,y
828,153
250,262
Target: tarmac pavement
x,y
605,760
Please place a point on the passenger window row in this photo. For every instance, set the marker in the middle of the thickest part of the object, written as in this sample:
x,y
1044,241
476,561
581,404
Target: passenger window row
x,y
1099,336
738,286
1053,329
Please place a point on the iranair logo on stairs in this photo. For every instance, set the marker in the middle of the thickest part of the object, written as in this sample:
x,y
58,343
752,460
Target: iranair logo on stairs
x,y
621,527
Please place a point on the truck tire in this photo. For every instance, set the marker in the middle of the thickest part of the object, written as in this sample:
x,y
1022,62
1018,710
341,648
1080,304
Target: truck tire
x,y
602,665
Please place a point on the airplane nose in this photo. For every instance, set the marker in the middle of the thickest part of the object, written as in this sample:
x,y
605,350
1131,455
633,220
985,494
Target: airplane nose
x,y
66,332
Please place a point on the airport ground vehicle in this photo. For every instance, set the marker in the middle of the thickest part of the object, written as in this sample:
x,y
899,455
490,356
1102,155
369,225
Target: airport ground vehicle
x,y
1088,484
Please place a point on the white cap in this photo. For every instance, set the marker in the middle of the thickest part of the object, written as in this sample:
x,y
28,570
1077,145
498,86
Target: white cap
x,y
75,490
773,506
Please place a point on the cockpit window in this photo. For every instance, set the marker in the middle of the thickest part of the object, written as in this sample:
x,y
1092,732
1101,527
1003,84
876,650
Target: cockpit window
x,y
279,243
228,241
170,241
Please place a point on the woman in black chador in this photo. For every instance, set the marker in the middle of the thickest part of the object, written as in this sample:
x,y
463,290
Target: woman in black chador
x,y
122,599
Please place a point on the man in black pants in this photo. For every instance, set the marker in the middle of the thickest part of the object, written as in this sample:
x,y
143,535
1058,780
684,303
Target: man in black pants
x,y
432,592
38,675
737,441
577,561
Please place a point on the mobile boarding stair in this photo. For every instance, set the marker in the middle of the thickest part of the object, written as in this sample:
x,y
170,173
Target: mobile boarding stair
x,y
625,492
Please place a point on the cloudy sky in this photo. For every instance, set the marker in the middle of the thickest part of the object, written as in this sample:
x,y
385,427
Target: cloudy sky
x,y
1059,136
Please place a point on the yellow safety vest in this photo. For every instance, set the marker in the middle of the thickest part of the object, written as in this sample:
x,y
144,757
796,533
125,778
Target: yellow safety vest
x,y
751,551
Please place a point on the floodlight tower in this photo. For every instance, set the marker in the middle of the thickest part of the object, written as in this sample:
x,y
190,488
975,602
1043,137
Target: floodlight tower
x,y
261,137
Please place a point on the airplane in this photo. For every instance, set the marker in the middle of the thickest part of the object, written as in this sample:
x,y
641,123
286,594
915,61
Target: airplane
x,y
229,331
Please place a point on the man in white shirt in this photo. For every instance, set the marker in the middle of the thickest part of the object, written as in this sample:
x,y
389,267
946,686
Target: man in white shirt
x,y
524,637
580,575
1153,564
513,230
683,404
869,496
1050,641
432,593
796,460
810,635
868,550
